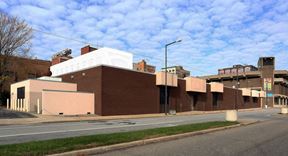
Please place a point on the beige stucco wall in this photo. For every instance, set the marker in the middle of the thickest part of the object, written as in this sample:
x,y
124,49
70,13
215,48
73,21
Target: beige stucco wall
x,y
13,94
255,93
36,87
33,89
195,84
246,91
75,103
262,93
217,87
13,89
172,79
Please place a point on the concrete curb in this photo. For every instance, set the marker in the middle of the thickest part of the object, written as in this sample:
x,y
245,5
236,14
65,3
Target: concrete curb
x,y
102,149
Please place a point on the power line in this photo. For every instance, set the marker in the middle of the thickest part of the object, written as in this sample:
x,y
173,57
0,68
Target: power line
x,y
60,36
84,42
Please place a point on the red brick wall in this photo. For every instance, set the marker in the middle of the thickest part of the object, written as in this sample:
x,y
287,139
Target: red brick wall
x,y
119,92
23,68
87,49
226,100
129,92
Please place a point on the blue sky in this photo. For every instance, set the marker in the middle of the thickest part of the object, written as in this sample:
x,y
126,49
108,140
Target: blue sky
x,y
215,33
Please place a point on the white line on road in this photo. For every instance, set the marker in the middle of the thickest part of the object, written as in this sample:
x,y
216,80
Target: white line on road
x,y
87,129
80,123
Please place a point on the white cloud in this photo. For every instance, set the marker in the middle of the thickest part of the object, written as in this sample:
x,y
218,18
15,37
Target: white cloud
x,y
215,33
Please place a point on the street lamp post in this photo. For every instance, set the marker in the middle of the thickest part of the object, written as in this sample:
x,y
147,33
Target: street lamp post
x,y
166,88
237,86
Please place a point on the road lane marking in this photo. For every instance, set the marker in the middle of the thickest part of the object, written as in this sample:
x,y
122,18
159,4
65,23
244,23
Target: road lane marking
x,y
88,129
87,122
206,117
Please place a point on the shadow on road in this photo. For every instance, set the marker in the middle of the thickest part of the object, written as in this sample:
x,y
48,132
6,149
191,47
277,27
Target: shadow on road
x,y
9,114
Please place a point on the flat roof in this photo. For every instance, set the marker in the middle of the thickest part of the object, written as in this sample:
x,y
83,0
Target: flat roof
x,y
42,80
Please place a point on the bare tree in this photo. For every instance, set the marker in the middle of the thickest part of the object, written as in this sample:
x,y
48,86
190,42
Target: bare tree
x,y
15,36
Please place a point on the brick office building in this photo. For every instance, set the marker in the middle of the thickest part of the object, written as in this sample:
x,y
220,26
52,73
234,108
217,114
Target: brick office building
x,y
121,91
20,68
118,89
178,70
144,67
264,77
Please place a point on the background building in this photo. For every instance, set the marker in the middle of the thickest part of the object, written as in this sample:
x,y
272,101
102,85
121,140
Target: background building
x,y
61,56
264,77
237,68
178,70
20,68
144,67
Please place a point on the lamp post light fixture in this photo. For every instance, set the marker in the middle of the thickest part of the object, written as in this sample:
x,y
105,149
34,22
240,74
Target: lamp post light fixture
x,y
166,88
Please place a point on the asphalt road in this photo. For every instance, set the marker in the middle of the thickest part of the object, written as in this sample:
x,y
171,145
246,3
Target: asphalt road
x,y
269,138
24,133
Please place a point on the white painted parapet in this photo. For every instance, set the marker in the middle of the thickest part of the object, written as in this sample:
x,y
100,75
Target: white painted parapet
x,y
231,115
102,56
216,87
172,79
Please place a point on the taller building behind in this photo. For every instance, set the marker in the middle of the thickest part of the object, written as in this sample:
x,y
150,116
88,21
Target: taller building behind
x,y
179,70
264,77
144,67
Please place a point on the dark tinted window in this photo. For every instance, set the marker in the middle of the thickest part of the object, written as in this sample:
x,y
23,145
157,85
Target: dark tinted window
x,y
21,93
246,99
255,100
215,99
268,61
162,95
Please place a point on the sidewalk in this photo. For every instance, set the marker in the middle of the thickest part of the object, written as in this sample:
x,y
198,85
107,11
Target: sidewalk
x,y
53,119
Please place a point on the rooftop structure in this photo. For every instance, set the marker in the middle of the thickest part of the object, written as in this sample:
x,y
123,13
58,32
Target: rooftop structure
x,y
101,56
179,70
144,67
21,68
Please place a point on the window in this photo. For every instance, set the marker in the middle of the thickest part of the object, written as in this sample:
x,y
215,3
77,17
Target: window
x,y
9,73
246,99
195,99
276,101
240,70
21,93
268,61
255,100
227,71
215,99
221,71
31,76
234,70
247,69
162,95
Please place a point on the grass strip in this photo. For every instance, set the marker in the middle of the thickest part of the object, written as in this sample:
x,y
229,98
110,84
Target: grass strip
x,y
75,143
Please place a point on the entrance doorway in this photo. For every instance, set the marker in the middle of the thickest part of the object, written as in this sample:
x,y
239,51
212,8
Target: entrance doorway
x,y
194,100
